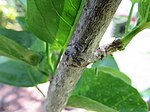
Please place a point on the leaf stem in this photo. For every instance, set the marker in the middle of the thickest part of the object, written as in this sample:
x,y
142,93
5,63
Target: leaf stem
x,y
40,91
129,36
129,18
58,60
34,81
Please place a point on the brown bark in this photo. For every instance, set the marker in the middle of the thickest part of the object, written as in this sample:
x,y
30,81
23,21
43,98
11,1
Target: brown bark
x,y
93,23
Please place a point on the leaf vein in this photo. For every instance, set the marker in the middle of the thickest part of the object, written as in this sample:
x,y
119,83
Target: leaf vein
x,y
43,20
72,5
60,15
122,100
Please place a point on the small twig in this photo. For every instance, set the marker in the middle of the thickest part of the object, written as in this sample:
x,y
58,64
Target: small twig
x,y
107,50
34,82
40,91
128,37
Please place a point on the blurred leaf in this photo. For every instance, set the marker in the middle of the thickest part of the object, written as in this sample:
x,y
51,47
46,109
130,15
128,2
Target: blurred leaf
x,y
54,21
23,38
11,49
22,21
20,74
108,61
38,46
112,91
24,2
44,66
88,104
144,10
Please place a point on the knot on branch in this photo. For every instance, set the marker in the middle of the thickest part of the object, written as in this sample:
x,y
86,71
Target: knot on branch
x,y
114,46
108,49
74,57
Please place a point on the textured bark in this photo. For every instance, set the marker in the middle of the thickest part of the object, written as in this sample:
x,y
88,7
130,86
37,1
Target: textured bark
x,y
107,50
93,23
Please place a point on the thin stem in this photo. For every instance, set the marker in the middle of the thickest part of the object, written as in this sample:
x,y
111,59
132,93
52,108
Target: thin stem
x,y
49,55
129,18
128,37
34,81
58,60
40,91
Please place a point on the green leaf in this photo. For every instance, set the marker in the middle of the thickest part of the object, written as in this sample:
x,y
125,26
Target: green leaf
x,y
20,74
109,65
44,66
88,104
108,61
38,46
54,20
144,10
11,49
23,38
116,74
112,91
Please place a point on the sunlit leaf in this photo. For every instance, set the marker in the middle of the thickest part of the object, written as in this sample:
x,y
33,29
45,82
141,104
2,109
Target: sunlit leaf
x,y
54,20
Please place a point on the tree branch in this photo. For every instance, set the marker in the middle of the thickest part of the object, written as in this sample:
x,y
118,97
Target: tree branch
x,y
93,23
